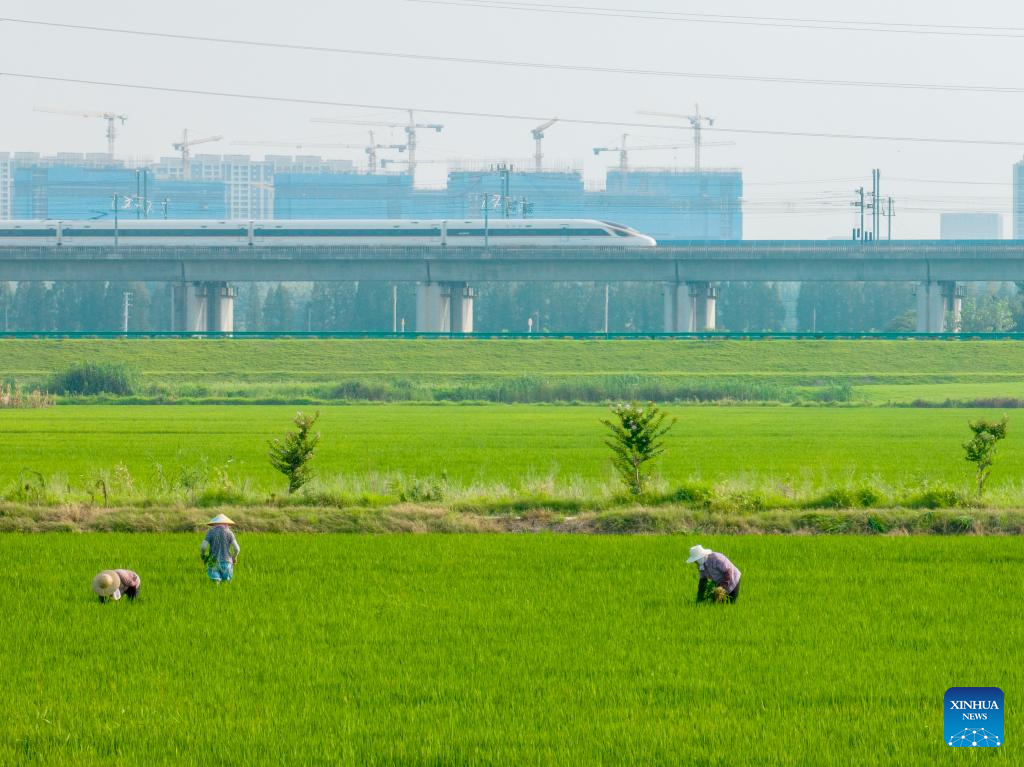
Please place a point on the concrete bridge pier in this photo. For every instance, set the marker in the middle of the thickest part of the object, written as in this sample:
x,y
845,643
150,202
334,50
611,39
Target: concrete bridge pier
x,y
444,307
705,304
199,307
220,307
939,303
460,307
690,307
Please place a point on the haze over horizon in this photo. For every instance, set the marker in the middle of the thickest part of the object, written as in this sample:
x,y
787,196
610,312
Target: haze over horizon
x,y
795,186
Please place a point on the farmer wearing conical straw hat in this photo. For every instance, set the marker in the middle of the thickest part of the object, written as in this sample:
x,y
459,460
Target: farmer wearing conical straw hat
x,y
219,549
113,584
717,569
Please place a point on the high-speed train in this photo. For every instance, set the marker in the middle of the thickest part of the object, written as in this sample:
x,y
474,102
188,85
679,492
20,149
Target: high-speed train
x,y
502,232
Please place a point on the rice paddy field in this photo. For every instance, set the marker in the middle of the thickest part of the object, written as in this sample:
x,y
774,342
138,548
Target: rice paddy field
x,y
509,650
501,444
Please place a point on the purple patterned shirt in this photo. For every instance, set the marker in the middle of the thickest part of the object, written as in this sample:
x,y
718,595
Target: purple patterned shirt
x,y
719,569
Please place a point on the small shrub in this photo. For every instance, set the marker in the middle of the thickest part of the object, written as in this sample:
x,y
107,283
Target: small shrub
x,y
981,449
938,497
291,455
422,491
636,440
89,378
693,495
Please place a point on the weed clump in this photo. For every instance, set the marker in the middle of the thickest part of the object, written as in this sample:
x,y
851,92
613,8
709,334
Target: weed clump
x,y
89,378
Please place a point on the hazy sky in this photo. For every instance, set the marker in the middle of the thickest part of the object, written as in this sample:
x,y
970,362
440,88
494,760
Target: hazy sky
x,y
779,202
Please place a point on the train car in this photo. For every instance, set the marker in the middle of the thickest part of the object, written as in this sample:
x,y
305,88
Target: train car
x,y
373,233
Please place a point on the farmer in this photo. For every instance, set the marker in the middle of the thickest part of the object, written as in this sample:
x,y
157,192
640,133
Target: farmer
x,y
112,584
716,568
219,549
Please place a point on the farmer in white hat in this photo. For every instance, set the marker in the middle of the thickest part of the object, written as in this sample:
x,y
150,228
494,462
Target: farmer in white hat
x,y
717,569
113,584
219,549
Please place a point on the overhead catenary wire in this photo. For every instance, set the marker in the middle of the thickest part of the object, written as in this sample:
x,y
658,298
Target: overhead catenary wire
x,y
782,22
505,115
522,64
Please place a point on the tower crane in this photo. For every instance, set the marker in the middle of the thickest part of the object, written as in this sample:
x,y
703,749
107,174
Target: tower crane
x,y
624,149
370,149
538,137
697,121
410,129
110,117
185,147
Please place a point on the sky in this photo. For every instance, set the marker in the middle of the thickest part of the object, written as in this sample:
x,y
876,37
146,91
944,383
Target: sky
x,y
795,186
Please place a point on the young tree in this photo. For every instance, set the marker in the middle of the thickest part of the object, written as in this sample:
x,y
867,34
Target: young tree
x,y
635,441
981,450
291,455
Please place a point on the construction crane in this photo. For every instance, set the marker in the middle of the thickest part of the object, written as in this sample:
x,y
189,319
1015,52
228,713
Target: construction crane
x,y
697,121
538,137
185,147
410,129
370,149
110,117
624,149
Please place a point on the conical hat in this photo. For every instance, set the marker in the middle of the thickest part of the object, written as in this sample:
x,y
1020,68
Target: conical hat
x,y
221,519
106,583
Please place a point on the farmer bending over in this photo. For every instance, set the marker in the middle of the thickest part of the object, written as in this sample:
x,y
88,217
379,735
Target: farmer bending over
x,y
716,568
112,584
219,549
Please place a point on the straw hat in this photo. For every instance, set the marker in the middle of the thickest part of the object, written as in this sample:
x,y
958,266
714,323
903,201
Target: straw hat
x,y
107,584
697,553
221,519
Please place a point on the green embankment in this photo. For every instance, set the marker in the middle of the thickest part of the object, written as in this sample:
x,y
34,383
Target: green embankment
x,y
538,370
508,650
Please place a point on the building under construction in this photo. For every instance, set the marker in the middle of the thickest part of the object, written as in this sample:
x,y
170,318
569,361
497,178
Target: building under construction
x,y
666,204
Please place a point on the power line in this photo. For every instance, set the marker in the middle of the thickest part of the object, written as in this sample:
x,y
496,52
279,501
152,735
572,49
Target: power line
x,y
947,30
506,116
519,64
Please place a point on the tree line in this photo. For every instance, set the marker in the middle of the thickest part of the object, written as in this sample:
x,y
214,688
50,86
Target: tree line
x,y
501,307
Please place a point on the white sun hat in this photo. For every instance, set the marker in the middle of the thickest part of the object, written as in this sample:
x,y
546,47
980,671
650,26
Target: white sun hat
x,y
697,553
221,519
107,584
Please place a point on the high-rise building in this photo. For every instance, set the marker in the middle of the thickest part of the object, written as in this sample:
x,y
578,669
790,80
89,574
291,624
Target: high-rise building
x,y
970,226
1018,201
6,185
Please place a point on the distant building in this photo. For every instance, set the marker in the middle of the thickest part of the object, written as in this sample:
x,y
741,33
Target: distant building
x,y
1018,201
971,226
674,204
667,204
68,186
6,185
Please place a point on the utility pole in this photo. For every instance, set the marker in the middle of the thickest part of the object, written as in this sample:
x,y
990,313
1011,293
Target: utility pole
x,y
487,219
505,173
165,204
889,214
126,303
606,308
858,234
138,193
876,183
394,308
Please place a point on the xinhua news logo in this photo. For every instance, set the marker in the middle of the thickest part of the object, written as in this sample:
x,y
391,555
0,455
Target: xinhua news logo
x,y
974,717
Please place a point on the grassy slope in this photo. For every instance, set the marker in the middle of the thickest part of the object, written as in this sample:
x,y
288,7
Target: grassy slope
x,y
269,359
501,443
504,650
287,370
